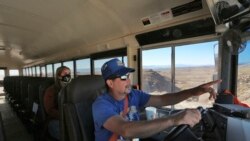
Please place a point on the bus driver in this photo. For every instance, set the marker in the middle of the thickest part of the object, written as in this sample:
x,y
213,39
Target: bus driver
x,y
113,121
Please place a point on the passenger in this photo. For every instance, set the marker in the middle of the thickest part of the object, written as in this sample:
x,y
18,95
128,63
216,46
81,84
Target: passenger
x,y
62,78
113,122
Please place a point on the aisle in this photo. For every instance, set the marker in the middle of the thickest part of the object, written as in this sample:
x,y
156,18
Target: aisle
x,y
14,129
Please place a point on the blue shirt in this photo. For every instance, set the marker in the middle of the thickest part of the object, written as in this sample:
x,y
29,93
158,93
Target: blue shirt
x,y
105,106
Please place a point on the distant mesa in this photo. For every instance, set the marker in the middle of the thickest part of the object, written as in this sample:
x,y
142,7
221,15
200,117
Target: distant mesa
x,y
155,82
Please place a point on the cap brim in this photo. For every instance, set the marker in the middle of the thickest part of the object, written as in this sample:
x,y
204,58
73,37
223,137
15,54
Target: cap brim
x,y
124,71
121,72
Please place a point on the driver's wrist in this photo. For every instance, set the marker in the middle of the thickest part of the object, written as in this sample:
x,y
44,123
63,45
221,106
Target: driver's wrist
x,y
174,120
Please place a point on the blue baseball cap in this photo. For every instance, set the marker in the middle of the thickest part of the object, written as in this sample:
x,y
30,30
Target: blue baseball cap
x,y
114,67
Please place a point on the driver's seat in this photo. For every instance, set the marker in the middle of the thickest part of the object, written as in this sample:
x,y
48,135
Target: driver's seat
x,y
76,108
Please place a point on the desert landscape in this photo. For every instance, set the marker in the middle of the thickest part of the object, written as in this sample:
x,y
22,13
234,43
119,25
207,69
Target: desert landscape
x,y
158,81
243,90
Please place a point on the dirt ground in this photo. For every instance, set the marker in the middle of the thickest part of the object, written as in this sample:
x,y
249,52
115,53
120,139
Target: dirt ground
x,y
243,90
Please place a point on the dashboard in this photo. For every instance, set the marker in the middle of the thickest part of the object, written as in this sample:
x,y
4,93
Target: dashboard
x,y
222,122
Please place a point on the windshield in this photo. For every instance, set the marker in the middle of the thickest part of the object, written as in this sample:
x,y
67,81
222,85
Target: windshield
x,y
193,64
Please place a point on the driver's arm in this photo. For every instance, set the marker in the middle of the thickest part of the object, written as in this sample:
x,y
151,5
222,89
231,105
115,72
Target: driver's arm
x,y
173,98
143,129
168,99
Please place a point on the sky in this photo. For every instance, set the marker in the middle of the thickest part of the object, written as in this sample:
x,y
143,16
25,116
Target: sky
x,y
195,55
191,55
244,57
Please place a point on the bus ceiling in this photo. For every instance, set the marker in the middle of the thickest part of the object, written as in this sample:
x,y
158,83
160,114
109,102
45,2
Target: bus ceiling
x,y
33,32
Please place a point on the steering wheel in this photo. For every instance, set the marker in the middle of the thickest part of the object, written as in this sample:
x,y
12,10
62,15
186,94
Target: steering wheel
x,y
183,132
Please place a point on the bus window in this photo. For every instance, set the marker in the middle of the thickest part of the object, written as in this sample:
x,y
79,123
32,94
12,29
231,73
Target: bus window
x,y
38,72
2,75
83,67
24,72
156,71
125,60
14,72
70,65
49,70
43,71
194,65
98,64
27,72
57,65
30,71
34,71
243,82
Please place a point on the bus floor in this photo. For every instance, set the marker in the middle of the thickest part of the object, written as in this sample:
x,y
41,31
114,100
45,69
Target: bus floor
x,y
13,127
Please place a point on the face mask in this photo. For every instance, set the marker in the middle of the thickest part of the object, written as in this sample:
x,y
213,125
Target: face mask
x,y
64,81
66,78
63,84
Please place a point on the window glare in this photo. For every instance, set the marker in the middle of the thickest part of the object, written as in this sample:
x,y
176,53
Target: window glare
x,y
14,72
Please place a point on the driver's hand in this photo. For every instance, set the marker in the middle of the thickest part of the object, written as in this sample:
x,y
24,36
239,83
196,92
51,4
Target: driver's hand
x,y
187,116
206,88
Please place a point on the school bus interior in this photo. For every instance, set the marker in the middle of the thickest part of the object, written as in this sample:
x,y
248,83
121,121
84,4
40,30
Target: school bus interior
x,y
172,44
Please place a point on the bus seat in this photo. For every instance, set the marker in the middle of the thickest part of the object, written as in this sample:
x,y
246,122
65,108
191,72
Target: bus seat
x,y
14,91
76,108
41,133
24,95
17,94
29,86
48,82
6,85
18,104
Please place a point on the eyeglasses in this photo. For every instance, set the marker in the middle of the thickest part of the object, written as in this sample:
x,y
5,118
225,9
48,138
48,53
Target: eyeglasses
x,y
124,77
